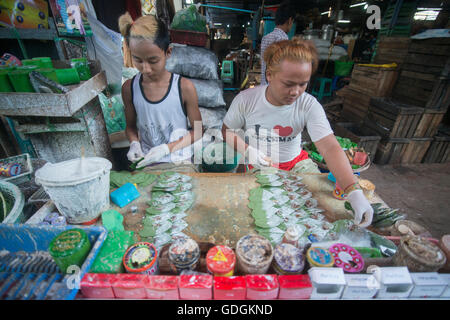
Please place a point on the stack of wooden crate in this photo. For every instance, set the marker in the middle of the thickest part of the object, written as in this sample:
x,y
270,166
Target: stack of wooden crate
x,y
366,82
392,49
424,81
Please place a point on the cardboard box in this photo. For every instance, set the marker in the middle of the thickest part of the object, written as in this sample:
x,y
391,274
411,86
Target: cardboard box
x,y
446,279
262,286
395,282
360,286
230,288
195,287
162,287
129,286
328,283
97,286
294,287
427,285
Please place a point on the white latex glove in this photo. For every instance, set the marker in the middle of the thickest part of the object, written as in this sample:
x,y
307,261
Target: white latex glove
x,y
154,155
258,156
135,153
361,207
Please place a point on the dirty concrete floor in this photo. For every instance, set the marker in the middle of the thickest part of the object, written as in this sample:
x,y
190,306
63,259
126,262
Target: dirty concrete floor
x,y
422,191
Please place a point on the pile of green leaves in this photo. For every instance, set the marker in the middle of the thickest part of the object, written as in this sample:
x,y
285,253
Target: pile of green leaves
x,y
142,179
383,217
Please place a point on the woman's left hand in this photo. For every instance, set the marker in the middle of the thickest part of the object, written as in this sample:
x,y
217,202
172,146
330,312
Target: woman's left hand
x,y
361,207
154,155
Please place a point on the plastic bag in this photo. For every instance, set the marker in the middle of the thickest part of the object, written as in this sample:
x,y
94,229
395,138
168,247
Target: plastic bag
x,y
193,62
209,92
189,19
113,112
106,46
212,118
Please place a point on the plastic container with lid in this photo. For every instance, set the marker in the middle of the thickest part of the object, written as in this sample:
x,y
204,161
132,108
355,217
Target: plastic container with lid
x,y
254,254
319,257
162,287
444,244
347,258
70,247
292,234
20,80
129,286
220,261
288,259
230,288
195,287
82,66
142,257
5,84
262,286
294,287
43,62
184,254
97,286
67,76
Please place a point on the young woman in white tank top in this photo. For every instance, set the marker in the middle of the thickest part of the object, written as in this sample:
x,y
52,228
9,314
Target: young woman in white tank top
x,y
157,103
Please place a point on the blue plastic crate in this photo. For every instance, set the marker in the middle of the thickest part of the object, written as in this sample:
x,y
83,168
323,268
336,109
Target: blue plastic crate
x,y
27,281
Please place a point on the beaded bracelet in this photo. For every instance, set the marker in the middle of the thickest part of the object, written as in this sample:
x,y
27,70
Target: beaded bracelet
x,y
352,187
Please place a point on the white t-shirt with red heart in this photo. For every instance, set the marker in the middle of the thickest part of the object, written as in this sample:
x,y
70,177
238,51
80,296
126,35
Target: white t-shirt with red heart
x,y
276,130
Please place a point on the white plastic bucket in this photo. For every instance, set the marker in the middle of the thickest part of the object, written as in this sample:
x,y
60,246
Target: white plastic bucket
x,y
79,188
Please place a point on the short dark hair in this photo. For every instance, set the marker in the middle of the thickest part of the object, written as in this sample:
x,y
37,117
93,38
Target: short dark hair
x,y
284,12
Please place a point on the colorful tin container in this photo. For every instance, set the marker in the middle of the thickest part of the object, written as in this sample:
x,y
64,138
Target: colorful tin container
x,y
319,257
220,261
254,254
288,260
10,169
141,258
184,254
70,247
347,258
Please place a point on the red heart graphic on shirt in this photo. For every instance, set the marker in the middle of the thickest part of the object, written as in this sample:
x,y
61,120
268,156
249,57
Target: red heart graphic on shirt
x,y
283,131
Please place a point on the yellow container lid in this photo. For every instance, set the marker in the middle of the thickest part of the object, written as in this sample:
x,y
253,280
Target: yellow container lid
x,y
319,257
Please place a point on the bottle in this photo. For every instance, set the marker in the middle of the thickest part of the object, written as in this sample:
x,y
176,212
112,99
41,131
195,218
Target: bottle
x,y
291,236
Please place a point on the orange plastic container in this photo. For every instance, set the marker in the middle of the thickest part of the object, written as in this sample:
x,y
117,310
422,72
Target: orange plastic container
x,y
220,261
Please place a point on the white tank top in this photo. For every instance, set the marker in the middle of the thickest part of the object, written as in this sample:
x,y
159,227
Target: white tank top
x,y
162,121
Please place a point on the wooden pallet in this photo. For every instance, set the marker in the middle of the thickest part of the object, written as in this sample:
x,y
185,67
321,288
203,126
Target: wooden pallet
x,y
391,119
373,81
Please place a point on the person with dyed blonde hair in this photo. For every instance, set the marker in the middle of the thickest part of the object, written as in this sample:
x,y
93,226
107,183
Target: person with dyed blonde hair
x,y
157,103
273,117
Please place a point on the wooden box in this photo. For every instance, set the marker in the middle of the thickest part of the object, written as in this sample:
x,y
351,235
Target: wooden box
x,y
360,134
392,49
416,150
429,123
373,81
391,151
439,150
423,80
392,119
355,105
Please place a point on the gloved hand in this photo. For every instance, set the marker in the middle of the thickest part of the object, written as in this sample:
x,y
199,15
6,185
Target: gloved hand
x,y
154,155
135,153
257,158
361,207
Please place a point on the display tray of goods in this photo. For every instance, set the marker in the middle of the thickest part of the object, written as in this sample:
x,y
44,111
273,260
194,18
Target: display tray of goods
x,y
358,157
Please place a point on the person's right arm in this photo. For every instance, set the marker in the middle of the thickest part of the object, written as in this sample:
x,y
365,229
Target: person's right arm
x,y
234,120
130,113
135,153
